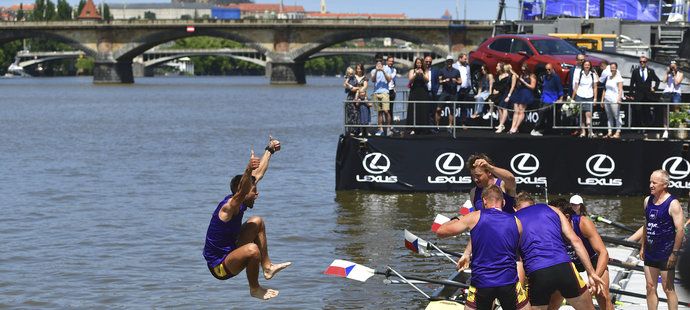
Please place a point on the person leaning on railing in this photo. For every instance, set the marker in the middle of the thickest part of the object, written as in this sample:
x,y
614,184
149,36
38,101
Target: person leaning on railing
x,y
552,92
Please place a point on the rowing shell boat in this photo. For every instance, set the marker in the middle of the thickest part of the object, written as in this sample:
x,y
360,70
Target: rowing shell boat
x,y
625,280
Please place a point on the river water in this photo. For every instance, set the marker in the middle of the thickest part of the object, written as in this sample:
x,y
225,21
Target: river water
x,y
108,190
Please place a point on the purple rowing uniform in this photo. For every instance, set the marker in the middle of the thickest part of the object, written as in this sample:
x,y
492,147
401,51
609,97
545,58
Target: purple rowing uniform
x,y
575,219
222,236
495,242
661,232
542,244
508,206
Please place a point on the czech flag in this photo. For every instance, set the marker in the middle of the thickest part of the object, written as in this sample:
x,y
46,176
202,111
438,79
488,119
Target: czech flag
x,y
466,208
345,269
415,244
438,221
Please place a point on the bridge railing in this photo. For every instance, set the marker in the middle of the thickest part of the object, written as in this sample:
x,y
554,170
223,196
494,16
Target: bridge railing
x,y
406,117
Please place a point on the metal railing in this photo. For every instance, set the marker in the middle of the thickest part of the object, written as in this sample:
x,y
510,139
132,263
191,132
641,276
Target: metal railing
x,y
560,119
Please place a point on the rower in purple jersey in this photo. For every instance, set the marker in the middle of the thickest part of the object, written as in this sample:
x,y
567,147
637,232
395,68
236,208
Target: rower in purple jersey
x,y
546,259
663,236
496,238
484,173
576,212
232,246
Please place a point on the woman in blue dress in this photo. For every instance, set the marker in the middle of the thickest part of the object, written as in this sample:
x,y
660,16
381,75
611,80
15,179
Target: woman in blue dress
x,y
524,95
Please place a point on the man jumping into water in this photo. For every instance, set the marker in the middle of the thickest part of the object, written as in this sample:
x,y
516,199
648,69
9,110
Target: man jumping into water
x,y
232,246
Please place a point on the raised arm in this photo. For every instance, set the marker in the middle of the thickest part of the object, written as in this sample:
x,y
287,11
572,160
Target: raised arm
x,y
678,220
678,78
232,206
509,184
272,147
590,232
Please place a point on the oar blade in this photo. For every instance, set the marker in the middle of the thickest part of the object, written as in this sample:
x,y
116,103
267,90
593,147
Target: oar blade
x,y
438,221
415,244
346,269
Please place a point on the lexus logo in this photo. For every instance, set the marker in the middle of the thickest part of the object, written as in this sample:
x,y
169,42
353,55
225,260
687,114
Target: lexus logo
x,y
376,163
524,164
600,165
677,167
449,163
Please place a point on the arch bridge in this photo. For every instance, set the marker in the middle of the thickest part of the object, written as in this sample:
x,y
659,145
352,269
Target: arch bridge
x,y
285,44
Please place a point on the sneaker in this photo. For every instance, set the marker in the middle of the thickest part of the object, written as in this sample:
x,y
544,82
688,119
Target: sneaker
x,y
379,133
486,116
536,133
494,115
412,133
665,135
390,133
500,128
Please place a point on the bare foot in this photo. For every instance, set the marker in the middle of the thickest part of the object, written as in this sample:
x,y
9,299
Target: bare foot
x,y
271,271
262,293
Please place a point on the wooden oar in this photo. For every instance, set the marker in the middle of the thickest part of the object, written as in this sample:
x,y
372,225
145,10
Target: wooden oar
x,y
625,265
643,296
622,226
619,241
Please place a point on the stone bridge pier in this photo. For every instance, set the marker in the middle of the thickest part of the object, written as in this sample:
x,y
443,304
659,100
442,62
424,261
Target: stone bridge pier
x,y
286,72
111,71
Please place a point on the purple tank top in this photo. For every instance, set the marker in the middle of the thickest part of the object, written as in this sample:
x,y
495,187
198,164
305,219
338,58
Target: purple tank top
x,y
221,236
508,206
495,241
661,232
542,244
575,219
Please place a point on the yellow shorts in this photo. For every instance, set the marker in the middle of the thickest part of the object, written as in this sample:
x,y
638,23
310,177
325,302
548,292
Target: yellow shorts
x,y
382,102
220,273
484,298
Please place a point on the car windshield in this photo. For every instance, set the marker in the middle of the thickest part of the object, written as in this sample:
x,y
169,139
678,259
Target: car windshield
x,y
554,47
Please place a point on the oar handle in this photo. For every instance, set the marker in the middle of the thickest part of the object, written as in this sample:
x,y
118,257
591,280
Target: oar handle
x,y
612,223
638,295
622,264
451,253
388,273
622,242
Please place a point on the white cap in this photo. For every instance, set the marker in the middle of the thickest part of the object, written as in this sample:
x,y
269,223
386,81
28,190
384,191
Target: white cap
x,y
576,200
450,57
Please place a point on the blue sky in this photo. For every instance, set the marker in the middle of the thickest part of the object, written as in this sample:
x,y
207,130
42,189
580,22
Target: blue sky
x,y
476,9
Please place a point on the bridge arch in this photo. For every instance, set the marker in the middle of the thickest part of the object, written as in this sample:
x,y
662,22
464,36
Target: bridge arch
x,y
305,52
7,37
148,41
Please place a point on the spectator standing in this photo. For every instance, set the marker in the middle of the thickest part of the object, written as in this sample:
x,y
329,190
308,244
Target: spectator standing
x,y
465,85
575,72
433,84
363,105
611,98
381,96
551,92
585,92
672,92
418,114
524,95
503,88
390,61
486,85
643,91
448,78
351,108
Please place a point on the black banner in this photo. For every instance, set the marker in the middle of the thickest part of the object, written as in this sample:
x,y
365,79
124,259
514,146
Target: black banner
x,y
559,164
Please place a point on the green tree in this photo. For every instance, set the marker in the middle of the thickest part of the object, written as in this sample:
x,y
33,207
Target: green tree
x,y
20,13
64,10
149,15
39,10
106,12
80,7
50,13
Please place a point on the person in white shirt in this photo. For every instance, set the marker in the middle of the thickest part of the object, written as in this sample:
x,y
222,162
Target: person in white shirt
x,y
611,99
672,93
465,85
585,92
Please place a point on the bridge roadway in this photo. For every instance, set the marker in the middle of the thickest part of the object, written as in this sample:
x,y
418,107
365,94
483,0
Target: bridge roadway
x,y
404,57
285,43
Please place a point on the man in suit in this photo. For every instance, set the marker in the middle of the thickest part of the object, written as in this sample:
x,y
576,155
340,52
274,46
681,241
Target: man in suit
x,y
643,91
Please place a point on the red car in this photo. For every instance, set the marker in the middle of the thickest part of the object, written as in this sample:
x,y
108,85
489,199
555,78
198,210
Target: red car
x,y
535,50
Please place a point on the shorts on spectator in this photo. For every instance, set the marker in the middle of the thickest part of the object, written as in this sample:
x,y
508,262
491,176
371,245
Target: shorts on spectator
x,y
382,102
